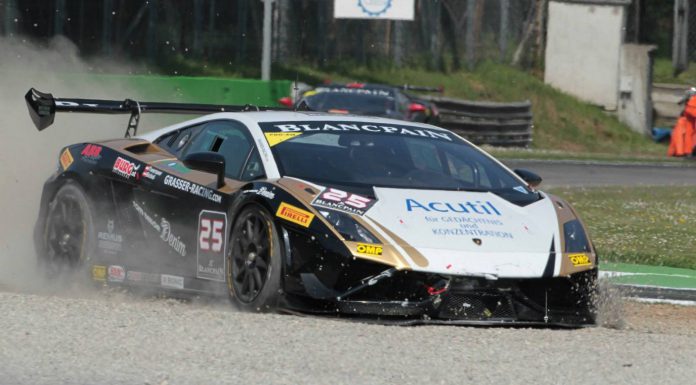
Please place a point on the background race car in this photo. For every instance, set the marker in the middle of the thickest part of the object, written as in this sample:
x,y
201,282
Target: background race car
x,y
369,99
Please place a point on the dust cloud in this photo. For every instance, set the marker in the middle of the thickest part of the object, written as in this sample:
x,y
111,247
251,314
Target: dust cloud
x,y
27,156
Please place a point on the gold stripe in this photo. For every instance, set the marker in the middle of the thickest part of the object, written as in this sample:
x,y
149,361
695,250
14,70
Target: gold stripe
x,y
414,254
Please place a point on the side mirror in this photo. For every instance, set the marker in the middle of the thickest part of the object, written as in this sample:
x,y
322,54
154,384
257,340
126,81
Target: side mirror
x,y
285,101
531,178
211,162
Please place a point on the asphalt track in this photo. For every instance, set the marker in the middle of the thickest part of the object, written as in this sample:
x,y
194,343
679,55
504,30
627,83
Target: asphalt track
x,y
593,174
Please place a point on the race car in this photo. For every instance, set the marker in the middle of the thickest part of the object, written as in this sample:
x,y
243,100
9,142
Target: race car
x,y
369,99
313,213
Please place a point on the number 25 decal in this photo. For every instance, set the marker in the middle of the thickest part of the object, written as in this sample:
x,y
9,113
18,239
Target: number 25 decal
x,y
210,237
353,200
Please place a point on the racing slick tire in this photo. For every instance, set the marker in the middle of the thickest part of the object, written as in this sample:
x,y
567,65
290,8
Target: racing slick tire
x,y
254,261
68,238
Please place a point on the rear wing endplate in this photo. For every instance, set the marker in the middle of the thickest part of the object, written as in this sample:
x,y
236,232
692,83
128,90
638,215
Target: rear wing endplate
x,y
43,108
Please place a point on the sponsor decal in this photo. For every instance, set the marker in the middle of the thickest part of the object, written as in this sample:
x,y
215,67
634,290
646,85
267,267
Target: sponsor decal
x,y
178,167
138,276
468,207
164,229
125,168
472,232
340,200
294,214
468,226
146,217
99,273
210,256
91,153
579,259
172,281
336,126
263,191
116,273
66,159
172,240
108,240
151,173
346,90
192,188
274,138
364,248
262,149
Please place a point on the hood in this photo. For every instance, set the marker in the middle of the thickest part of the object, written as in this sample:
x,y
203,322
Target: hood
x,y
469,233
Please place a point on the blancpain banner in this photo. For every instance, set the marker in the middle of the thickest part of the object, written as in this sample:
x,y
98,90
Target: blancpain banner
x,y
374,9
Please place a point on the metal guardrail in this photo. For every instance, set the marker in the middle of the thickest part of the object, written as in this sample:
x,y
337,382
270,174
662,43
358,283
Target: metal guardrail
x,y
494,123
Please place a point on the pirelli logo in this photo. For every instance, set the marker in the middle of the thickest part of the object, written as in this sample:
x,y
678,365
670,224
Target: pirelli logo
x,y
579,259
364,248
66,159
294,214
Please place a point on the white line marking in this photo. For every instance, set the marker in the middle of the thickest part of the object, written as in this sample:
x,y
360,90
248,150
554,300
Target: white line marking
x,y
665,301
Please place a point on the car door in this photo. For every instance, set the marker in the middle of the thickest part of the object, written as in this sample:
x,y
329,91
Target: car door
x,y
187,213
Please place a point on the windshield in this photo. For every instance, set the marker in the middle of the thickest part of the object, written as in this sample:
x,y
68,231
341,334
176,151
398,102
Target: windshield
x,y
388,156
367,104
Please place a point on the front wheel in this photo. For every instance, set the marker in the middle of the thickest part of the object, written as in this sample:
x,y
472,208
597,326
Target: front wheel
x,y
254,261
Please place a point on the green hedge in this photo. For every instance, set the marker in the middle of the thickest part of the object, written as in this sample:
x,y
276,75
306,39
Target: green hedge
x,y
188,89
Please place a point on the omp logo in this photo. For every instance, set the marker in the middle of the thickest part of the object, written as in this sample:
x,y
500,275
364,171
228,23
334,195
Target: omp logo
x,y
364,248
294,214
66,159
580,259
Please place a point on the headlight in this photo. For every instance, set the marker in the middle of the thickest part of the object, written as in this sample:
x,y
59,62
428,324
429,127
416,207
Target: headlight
x,y
575,237
348,228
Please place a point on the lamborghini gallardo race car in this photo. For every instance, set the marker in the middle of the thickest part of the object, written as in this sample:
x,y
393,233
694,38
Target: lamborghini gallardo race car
x,y
369,99
313,213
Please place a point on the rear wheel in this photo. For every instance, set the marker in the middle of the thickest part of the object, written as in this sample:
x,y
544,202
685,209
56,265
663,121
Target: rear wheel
x,y
254,261
68,238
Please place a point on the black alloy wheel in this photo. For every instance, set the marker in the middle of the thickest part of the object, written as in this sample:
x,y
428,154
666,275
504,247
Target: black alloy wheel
x,y
253,263
68,232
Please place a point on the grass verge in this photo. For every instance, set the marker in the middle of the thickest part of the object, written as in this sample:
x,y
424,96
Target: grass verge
x,y
645,225
664,73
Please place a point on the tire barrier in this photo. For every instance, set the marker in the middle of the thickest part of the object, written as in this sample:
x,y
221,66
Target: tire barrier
x,y
493,123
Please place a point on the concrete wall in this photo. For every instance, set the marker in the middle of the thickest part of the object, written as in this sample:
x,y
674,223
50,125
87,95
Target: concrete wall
x,y
635,105
583,49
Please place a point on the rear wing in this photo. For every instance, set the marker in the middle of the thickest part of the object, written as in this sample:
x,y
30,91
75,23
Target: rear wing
x,y
43,108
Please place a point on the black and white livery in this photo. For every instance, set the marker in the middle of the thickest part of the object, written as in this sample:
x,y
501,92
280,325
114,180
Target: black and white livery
x,y
314,212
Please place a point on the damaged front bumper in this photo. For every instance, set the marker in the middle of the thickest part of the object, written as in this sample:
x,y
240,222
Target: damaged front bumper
x,y
404,297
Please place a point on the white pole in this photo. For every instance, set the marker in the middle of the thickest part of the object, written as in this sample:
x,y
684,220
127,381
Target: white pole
x,y
266,53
